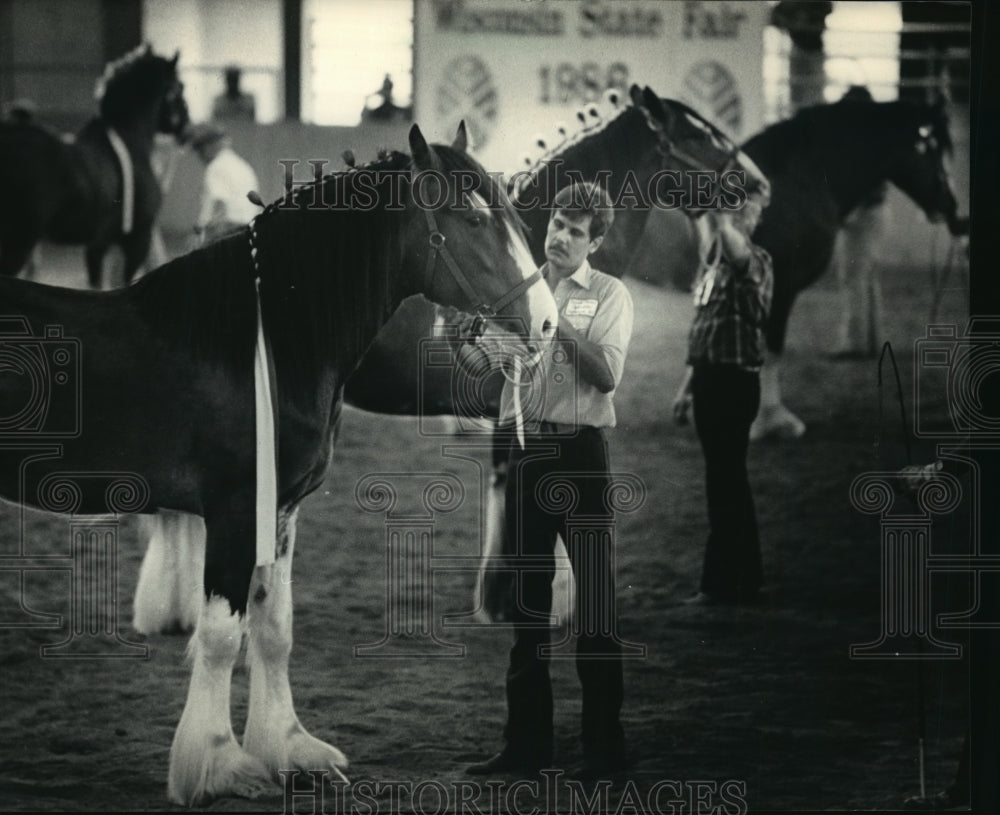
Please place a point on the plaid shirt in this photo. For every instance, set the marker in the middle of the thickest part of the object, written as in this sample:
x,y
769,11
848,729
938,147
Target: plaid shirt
x,y
731,307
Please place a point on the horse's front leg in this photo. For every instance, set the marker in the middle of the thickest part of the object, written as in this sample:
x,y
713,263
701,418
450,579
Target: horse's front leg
x,y
205,759
273,732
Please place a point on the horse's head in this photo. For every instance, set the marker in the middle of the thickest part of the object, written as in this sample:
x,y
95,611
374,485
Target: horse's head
x,y
141,86
918,163
689,141
466,243
174,118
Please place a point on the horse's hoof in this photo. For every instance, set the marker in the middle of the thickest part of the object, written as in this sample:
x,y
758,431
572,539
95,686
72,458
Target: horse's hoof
x,y
222,772
306,752
776,422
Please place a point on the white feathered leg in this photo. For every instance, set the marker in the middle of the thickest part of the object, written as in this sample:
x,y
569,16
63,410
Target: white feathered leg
x,y
205,759
273,733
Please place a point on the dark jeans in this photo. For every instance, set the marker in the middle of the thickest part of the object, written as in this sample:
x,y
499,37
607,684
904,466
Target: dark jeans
x,y
534,515
726,399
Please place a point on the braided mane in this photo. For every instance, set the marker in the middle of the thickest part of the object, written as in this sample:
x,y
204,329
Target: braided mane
x,y
138,77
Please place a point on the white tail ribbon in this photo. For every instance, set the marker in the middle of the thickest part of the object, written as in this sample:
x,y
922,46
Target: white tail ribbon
x,y
267,475
128,179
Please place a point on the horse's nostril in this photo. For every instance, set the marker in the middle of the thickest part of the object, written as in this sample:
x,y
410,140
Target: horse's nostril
x,y
532,348
547,327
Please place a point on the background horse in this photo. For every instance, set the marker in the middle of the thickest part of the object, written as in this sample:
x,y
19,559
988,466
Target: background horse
x,y
823,164
100,189
167,388
624,152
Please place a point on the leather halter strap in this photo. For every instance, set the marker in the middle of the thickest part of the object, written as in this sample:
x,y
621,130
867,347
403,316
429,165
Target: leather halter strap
x,y
439,246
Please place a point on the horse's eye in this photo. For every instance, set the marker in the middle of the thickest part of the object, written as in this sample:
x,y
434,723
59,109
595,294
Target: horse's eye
x,y
475,219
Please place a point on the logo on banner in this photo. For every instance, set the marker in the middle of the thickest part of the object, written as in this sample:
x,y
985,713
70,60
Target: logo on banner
x,y
467,91
710,88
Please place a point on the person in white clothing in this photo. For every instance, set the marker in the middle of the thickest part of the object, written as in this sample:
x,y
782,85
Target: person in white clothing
x,y
225,207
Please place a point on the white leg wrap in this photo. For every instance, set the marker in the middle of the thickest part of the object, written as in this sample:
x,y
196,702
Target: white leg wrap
x,y
274,734
205,759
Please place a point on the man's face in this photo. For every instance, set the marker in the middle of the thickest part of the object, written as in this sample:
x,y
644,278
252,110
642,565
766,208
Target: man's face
x,y
568,242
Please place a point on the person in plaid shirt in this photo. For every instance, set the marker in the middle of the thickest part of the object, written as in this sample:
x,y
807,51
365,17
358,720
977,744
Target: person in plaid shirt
x,y
722,384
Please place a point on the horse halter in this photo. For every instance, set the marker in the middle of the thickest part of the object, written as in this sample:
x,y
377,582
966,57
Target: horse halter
x,y
667,147
483,311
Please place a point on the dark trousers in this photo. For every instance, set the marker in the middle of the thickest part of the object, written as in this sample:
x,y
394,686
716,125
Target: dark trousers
x,y
726,399
537,508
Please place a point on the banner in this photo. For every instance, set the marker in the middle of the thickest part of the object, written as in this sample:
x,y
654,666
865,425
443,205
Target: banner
x,y
514,69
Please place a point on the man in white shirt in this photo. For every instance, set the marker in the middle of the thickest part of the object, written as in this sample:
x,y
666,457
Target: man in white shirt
x,y
564,438
225,207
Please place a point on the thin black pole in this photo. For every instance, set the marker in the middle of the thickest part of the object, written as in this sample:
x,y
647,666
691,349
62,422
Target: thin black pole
x,y
292,26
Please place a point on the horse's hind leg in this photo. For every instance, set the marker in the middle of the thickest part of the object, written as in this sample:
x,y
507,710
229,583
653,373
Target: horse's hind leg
x,y
205,759
773,418
273,732
168,594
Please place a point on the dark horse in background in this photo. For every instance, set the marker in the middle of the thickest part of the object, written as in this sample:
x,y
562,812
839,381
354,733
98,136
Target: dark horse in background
x,y
822,163
629,147
76,193
167,397
624,153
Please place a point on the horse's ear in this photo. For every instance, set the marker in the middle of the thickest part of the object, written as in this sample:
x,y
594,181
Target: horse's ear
x,y
461,142
177,56
635,94
421,151
655,106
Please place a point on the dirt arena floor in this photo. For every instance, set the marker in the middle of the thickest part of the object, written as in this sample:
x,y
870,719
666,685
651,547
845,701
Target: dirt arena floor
x,y
758,708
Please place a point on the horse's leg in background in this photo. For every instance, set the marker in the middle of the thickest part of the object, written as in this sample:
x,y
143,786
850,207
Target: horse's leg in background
x,y
205,758
16,251
273,733
859,332
773,418
169,591
136,248
493,585
94,256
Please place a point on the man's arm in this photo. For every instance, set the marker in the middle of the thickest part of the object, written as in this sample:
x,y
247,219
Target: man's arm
x,y
588,358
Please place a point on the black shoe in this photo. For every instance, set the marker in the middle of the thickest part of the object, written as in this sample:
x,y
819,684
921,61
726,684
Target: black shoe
x,y
508,761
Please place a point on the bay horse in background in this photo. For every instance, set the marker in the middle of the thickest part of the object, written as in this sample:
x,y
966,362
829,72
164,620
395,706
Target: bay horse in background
x,y
635,142
84,192
823,164
167,392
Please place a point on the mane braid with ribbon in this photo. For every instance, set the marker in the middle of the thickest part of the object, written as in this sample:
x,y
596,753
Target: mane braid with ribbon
x,y
569,143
